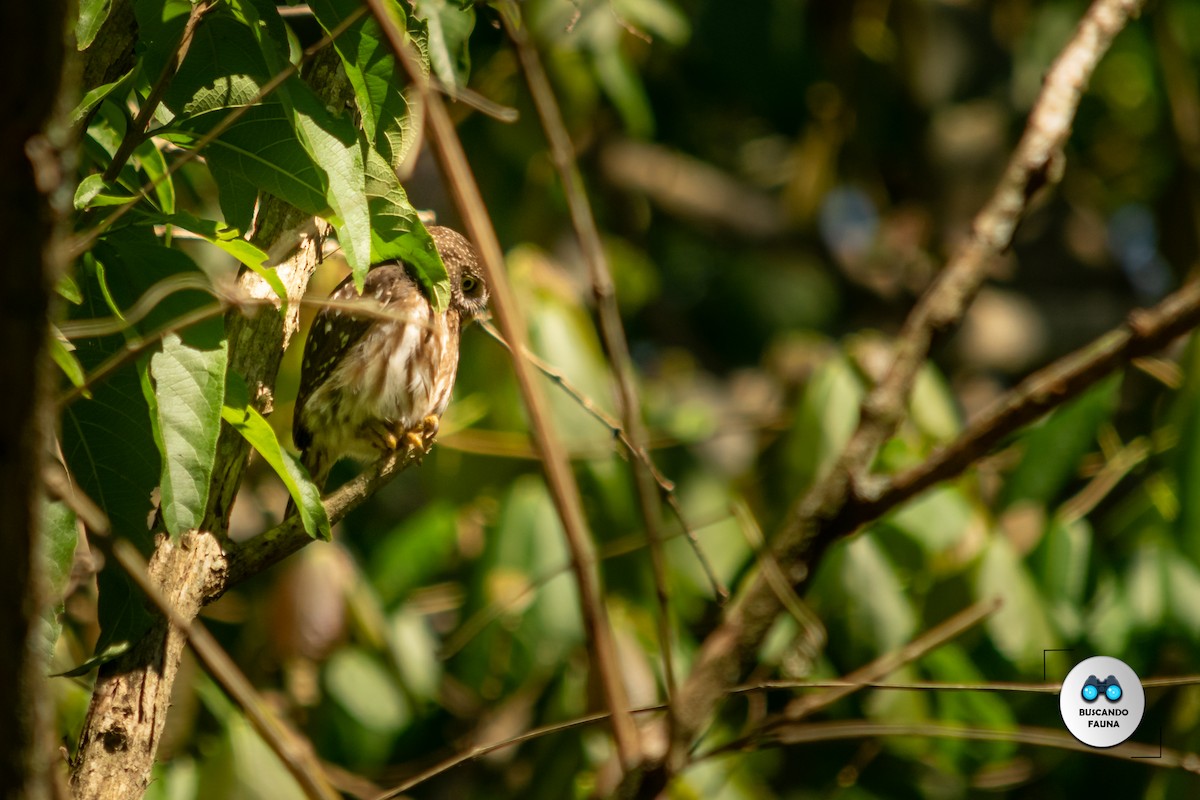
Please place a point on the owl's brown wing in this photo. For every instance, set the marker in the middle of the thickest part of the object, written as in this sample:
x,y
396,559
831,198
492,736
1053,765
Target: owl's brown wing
x,y
335,331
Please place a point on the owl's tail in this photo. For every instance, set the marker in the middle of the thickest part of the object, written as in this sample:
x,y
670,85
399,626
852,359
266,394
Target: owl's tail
x,y
318,464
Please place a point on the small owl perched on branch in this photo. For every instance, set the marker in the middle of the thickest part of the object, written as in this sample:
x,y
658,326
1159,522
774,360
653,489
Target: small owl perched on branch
x,y
378,381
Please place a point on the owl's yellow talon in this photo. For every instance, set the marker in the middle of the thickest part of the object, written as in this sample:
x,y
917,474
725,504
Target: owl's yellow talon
x,y
430,425
382,436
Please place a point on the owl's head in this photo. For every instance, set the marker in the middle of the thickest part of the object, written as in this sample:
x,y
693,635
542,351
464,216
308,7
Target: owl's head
x,y
468,290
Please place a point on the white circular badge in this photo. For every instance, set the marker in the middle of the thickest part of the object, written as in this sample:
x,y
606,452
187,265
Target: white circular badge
x,y
1102,701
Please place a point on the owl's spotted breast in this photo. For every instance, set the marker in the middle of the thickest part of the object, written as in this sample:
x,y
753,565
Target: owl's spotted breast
x,y
385,368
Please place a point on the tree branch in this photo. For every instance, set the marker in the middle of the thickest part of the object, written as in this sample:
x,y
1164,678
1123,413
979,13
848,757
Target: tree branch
x,y
1146,331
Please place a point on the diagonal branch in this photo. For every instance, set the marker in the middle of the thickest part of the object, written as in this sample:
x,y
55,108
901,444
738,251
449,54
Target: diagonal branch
x,y
1146,331
559,479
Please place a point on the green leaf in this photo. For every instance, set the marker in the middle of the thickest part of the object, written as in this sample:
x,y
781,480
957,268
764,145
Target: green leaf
x,y
414,649
108,446
935,520
230,240
362,687
68,289
225,67
449,27
60,351
92,14
87,189
949,663
1054,448
238,412
155,166
260,149
97,96
239,765
397,232
60,535
101,657
1060,564
825,419
331,141
413,552
189,385
376,77
858,586
1146,582
1019,629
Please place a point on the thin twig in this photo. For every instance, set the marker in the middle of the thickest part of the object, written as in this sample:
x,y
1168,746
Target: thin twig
x,y
889,662
612,331
137,132
559,479
666,487
947,686
809,733
482,750
296,753
811,627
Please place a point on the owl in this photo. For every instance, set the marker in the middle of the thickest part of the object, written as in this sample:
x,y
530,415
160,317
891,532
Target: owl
x,y
378,381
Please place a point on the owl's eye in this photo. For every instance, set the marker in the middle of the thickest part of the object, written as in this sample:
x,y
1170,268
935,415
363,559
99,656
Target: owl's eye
x,y
469,284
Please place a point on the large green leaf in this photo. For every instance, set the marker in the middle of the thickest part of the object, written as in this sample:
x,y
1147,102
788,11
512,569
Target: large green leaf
x,y
330,140
239,413
260,149
376,77
858,589
448,27
1020,629
189,385
224,68
92,14
108,441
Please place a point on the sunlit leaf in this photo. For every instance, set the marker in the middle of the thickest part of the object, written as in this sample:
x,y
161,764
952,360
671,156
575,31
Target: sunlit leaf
x,y
92,14
190,387
246,419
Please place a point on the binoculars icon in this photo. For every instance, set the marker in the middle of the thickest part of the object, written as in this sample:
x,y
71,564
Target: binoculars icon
x,y
1109,687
